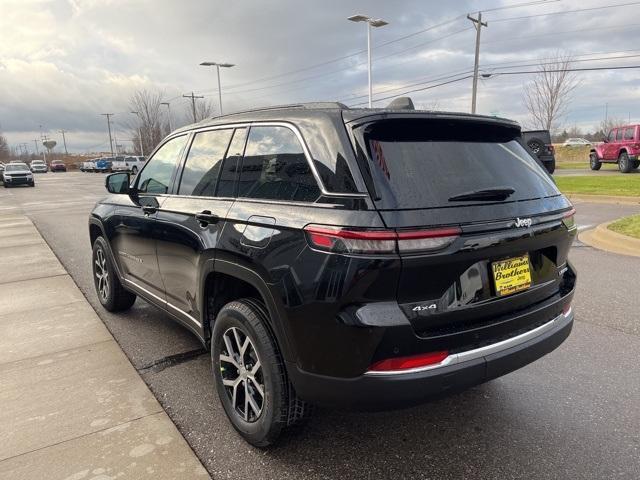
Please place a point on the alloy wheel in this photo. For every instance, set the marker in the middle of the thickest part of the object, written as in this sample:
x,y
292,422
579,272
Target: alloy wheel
x,y
102,274
241,373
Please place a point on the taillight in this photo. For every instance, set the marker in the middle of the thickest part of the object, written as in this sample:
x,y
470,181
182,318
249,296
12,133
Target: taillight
x,y
568,218
339,240
551,148
406,363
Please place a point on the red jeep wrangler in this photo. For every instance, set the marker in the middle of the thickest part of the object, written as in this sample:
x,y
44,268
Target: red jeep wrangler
x,y
622,146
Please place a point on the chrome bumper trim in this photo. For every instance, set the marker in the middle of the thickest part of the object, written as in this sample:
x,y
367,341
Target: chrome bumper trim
x,y
482,351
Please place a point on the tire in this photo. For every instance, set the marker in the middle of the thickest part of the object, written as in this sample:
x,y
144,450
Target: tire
x,y
594,163
624,164
535,144
134,170
263,419
550,166
635,164
111,294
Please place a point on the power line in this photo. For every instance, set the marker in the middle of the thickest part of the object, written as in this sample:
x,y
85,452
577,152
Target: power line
x,y
389,42
563,12
193,104
564,32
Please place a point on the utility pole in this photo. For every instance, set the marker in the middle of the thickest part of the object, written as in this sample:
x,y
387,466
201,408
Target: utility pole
x,y
64,140
478,24
193,104
109,115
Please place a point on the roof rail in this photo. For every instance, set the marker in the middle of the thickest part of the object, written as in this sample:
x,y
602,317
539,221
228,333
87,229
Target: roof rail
x,y
309,105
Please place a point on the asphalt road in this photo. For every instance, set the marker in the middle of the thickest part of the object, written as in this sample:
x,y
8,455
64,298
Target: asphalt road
x,y
573,414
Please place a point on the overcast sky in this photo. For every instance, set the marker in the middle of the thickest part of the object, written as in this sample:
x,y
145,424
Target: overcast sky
x,y
63,62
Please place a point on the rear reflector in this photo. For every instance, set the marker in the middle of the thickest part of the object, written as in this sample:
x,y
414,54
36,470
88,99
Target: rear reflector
x,y
338,240
406,363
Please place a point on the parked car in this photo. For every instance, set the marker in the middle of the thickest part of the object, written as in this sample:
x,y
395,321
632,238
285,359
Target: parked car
x,y
128,164
338,257
622,146
1,170
539,142
88,166
39,166
58,166
103,164
576,142
17,174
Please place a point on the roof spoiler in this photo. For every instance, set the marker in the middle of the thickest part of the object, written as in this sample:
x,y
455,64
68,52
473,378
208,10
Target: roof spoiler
x,y
401,103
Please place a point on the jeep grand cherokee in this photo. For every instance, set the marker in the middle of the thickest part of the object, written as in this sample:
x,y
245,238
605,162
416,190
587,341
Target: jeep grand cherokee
x,y
343,257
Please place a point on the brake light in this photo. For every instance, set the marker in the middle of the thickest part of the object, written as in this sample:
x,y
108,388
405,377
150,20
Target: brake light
x,y
550,148
406,363
338,240
568,218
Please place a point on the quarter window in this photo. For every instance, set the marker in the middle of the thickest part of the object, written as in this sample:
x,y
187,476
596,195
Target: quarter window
x,y
203,163
629,133
156,177
275,167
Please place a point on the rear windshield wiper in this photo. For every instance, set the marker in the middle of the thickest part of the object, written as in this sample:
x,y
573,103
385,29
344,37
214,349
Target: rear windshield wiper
x,y
497,193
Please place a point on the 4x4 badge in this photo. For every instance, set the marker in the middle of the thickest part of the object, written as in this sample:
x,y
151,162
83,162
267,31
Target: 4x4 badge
x,y
522,222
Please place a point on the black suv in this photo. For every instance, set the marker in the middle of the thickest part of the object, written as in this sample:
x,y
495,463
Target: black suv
x,y
352,258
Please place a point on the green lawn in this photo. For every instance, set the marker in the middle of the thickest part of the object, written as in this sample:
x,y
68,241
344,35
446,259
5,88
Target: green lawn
x,y
583,165
625,185
627,226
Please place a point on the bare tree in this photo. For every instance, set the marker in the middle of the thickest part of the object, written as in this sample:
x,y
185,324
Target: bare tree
x,y
608,124
548,95
5,153
149,122
204,109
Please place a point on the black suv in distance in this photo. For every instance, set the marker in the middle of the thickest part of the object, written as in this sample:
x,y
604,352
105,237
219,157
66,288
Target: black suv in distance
x,y
352,258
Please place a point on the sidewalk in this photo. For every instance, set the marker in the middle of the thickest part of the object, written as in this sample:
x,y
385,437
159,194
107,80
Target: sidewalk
x,y
71,404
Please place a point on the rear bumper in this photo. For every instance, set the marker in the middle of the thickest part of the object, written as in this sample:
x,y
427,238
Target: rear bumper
x,y
396,390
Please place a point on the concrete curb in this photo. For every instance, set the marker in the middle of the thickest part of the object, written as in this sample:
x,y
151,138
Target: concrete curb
x,y
604,239
603,199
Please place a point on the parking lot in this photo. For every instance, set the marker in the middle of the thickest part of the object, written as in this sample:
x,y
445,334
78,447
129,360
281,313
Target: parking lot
x,y
573,414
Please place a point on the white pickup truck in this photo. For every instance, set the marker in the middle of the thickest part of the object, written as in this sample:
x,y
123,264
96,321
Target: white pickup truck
x,y
131,164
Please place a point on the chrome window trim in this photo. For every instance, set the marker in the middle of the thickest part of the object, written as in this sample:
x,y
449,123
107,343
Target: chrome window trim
x,y
303,144
479,352
164,302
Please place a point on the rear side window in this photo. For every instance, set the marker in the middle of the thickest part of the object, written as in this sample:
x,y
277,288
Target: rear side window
x,y
424,163
203,163
629,133
275,167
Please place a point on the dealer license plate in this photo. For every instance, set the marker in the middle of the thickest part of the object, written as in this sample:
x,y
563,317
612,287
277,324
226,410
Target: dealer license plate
x,y
512,275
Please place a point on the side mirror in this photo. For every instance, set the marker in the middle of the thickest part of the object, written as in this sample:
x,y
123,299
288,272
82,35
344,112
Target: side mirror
x,y
604,140
117,183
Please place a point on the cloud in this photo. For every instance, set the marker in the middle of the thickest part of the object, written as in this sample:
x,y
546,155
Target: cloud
x,y
62,63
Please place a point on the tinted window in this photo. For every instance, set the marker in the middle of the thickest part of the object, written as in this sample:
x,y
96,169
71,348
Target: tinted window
x,y
203,163
423,163
619,135
629,133
275,167
229,172
158,171
612,136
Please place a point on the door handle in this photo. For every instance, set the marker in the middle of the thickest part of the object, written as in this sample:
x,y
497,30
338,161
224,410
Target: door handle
x,y
148,210
206,217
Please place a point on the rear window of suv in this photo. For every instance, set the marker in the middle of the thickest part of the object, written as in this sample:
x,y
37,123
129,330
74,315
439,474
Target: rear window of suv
x,y
423,163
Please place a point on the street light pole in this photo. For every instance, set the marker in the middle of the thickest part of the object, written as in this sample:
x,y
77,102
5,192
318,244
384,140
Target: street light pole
x,y
370,23
218,65
137,114
168,114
